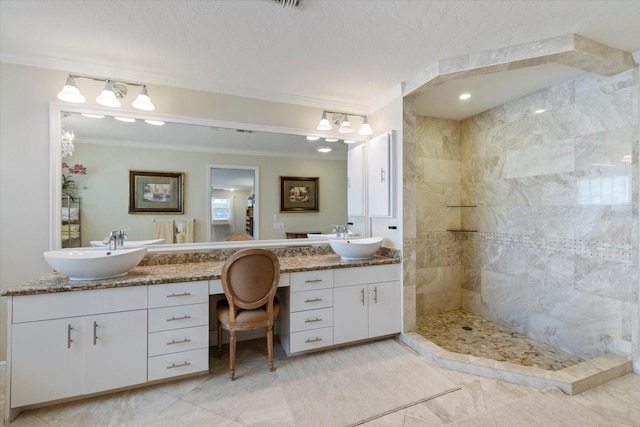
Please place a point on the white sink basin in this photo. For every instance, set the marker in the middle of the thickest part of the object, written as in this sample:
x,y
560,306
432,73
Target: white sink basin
x,y
94,263
356,249
128,243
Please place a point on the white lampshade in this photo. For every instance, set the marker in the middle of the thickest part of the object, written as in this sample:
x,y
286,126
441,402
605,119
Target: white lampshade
x,y
143,102
365,129
70,92
324,123
108,97
345,127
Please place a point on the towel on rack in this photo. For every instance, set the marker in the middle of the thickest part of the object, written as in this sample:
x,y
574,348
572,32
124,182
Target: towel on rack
x,y
164,229
185,230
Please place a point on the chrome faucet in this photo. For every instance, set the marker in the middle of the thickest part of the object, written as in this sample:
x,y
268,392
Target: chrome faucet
x,y
342,231
117,237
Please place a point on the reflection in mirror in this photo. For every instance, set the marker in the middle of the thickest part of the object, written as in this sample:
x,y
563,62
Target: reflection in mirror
x,y
233,207
107,148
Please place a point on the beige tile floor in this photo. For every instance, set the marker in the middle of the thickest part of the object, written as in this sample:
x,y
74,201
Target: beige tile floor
x,y
256,398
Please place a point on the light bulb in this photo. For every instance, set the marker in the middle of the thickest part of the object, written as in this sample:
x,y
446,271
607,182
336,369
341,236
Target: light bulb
x,y
143,102
345,127
70,92
324,122
108,97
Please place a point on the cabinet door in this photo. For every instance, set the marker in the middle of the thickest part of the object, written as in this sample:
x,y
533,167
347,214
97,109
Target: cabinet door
x,y
355,180
384,308
46,361
115,347
379,176
350,314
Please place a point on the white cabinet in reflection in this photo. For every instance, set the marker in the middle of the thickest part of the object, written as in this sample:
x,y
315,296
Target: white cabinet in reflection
x,y
356,180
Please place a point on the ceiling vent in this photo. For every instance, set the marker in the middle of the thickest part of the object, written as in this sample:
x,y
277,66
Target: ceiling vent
x,y
293,4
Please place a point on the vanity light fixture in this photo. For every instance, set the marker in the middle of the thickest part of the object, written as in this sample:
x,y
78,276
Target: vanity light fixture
x,y
323,149
349,141
110,96
93,116
464,96
312,138
155,122
342,121
331,139
66,143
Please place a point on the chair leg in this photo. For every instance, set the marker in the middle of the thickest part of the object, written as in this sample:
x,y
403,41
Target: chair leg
x,y
270,347
219,339
232,355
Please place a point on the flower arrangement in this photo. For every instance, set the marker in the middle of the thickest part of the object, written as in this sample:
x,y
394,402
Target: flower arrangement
x,y
68,183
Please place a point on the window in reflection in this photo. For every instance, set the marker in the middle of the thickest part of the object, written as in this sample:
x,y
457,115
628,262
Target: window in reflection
x,y
609,190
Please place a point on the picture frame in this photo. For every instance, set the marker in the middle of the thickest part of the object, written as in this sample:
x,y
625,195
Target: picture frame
x,y
156,192
299,194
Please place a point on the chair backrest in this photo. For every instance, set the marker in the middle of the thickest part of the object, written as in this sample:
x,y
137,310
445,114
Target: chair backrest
x,y
238,236
250,278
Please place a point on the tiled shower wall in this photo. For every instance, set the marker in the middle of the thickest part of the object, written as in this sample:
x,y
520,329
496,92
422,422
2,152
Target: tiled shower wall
x,y
556,249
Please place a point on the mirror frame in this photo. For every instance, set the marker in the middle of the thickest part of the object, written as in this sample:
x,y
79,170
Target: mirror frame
x,y
55,168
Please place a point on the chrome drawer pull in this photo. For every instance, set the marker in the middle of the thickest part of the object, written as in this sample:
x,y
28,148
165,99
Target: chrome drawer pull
x,y
317,319
173,365
313,281
179,342
362,296
69,340
375,294
308,340
184,294
313,300
179,318
95,332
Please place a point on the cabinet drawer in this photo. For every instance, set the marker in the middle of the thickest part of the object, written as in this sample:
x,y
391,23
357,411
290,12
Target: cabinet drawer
x,y
310,280
309,340
310,300
30,308
184,293
176,340
182,316
175,364
371,274
311,319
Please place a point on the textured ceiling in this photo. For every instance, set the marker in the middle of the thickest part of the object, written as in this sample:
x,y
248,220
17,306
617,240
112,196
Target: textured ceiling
x,y
347,54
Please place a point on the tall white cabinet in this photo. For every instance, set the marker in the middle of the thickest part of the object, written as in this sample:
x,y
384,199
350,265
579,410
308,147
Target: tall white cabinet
x,y
379,176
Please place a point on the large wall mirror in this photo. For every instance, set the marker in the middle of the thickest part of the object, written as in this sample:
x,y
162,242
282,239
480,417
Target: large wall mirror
x,y
230,177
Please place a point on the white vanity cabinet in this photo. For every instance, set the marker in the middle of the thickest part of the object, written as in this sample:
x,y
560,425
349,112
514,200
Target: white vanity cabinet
x,y
379,176
367,302
306,312
75,343
178,329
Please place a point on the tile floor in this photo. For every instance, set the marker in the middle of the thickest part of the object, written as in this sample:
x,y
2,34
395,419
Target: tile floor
x,y
256,398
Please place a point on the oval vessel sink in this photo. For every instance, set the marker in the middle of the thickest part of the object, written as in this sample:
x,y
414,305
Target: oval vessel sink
x,y
356,249
330,236
94,263
128,243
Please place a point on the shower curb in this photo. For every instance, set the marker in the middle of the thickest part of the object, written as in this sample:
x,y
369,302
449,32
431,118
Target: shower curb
x,y
571,380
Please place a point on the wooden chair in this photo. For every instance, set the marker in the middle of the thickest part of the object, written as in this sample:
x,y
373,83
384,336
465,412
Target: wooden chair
x,y
250,280
238,236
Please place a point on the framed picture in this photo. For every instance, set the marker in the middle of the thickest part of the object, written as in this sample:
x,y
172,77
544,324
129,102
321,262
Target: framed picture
x,y
156,192
298,194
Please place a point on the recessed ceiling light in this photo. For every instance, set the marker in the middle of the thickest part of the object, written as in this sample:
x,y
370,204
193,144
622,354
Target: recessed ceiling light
x,y
125,119
541,110
465,96
155,122
313,138
93,116
323,149
331,139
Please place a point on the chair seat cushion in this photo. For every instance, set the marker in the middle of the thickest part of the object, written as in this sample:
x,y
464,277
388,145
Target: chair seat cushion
x,y
247,318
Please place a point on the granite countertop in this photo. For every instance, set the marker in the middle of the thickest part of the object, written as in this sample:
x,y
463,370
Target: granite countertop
x,y
185,270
